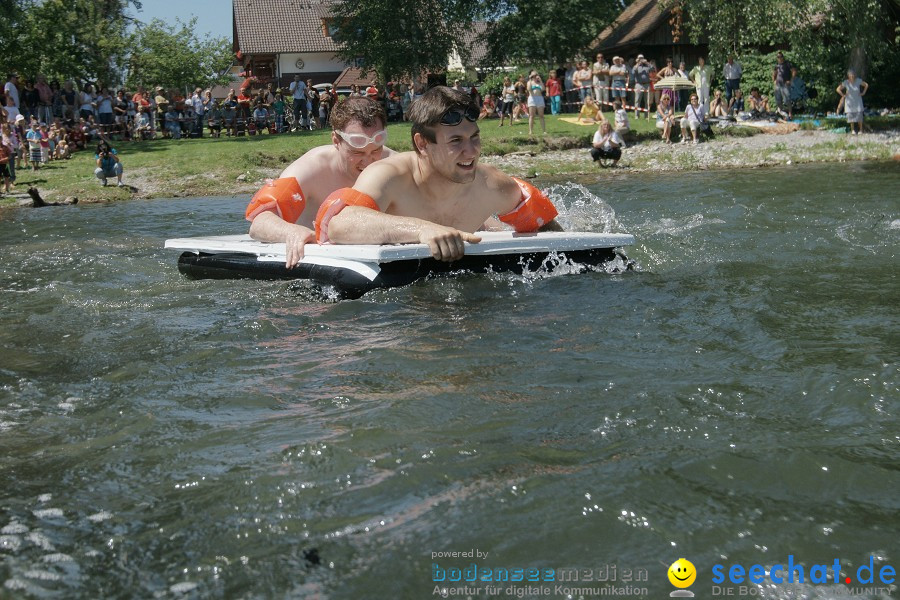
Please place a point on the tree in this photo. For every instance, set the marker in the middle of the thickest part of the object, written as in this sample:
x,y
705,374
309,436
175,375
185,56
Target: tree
x,y
402,38
547,32
825,36
173,56
82,39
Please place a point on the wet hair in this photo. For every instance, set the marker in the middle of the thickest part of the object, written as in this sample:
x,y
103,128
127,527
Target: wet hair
x,y
365,110
428,110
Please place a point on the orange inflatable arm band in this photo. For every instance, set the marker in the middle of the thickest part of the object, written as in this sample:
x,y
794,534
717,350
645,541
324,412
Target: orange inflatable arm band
x,y
281,196
337,201
533,212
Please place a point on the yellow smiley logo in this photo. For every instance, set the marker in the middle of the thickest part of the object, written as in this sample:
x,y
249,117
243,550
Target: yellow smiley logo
x,y
682,573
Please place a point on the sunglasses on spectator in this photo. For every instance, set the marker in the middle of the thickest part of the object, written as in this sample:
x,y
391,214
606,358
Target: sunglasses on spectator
x,y
360,141
454,116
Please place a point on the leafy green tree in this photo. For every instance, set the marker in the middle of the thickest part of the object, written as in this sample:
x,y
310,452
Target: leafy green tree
x,y
81,39
822,37
174,57
545,32
402,38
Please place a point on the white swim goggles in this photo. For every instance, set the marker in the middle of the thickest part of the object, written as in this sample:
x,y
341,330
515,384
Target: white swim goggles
x,y
360,141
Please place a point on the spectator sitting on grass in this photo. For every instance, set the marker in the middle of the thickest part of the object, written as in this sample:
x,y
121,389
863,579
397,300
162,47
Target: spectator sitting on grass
x,y
488,108
694,118
260,117
736,106
173,123
622,126
590,112
108,164
758,103
142,128
717,107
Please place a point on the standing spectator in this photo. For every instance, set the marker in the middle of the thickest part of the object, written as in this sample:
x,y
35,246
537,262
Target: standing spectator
x,y
694,118
45,100
798,91
325,106
29,101
554,92
34,145
86,102
162,107
298,93
682,72
618,73
312,95
668,71
641,76
582,80
600,79
56,101
852,90
535,102
105,112
11,89
9,137
701,75
521,98
6,156
665,118
732,71
45,144
229,113
354,92
781,78
278,107
199,112
508,100
606,144
12,113
654,77
69,101
120,111
569,86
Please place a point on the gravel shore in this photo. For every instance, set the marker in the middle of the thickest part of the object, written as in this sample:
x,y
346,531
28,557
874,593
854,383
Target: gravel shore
x,y
721,152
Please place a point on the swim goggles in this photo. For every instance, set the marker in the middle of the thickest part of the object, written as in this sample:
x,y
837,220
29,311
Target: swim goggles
x,y
360,141
454,116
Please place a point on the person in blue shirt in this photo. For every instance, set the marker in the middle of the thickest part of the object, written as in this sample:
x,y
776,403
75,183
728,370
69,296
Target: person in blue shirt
x,y
108,164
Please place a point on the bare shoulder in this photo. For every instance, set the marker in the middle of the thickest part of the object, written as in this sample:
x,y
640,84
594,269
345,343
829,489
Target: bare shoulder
x,y
496,180
384,176
312,164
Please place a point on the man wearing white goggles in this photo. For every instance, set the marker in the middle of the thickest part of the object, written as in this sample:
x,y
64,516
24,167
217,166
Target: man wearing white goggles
x,y
284,210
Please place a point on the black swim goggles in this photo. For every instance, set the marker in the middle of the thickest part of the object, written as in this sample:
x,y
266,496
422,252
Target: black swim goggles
x,y
454,116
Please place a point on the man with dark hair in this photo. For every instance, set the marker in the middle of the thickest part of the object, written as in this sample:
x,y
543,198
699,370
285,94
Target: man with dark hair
x,y
283,211
438,193
781,80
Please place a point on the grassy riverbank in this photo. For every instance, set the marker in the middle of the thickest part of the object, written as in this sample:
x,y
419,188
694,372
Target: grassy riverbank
x,y
204,167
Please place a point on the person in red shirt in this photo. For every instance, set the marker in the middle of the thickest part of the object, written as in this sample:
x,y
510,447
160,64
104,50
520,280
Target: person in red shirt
x,y
554,91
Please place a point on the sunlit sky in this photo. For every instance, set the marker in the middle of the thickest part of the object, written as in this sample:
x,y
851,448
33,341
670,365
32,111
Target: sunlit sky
x,y
213,16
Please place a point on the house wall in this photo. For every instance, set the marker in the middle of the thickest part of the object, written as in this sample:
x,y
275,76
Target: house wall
x,y
318,62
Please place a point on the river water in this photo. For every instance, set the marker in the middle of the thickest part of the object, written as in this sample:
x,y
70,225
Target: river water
x,y
732,401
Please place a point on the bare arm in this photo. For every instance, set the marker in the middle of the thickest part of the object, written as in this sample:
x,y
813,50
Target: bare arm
x,y
269,227
359,225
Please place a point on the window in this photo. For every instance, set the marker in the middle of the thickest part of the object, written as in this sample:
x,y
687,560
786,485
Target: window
x,y
329,27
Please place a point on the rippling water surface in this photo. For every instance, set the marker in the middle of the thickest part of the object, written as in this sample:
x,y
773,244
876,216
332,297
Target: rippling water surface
x,y
734,400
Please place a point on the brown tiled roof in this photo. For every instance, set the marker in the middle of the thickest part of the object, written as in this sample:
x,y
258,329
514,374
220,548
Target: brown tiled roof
x,y
473,40
640,19
278,26
354,76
